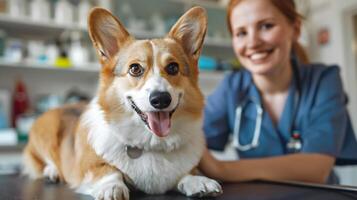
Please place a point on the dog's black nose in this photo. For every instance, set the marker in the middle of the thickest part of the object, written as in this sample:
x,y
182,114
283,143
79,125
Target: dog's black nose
x,y
160,100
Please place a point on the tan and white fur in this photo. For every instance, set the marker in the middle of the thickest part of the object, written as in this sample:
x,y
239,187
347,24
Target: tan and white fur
x,y
148,99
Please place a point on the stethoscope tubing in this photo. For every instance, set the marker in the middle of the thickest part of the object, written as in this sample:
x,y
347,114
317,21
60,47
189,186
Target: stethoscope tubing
x,y
258,124
236,131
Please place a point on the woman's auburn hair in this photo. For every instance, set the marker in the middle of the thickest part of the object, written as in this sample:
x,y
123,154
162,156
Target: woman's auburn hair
x,y
288,9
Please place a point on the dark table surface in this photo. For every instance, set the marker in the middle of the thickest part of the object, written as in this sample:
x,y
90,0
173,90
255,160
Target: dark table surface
x,y
14,187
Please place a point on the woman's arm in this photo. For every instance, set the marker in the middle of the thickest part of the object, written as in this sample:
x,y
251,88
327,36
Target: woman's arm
x,y
294,167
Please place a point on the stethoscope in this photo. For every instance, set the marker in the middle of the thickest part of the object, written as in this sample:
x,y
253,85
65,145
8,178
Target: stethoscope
x,y
258,124
294,145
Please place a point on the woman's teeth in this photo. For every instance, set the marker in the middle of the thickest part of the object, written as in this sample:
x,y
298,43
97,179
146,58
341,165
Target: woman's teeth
x,y
258,56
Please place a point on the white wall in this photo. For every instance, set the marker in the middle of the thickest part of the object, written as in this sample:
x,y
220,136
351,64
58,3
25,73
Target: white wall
x,y
336,16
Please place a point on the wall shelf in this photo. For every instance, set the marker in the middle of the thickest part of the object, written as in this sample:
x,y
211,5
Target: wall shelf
x,y
12,148
88,68
25,28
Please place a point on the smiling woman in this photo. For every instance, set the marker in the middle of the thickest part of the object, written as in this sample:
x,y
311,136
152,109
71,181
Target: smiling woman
x,y
288,117
288,10
263,41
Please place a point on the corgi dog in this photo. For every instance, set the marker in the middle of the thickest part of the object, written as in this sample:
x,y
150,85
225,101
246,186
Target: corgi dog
x,y
143,128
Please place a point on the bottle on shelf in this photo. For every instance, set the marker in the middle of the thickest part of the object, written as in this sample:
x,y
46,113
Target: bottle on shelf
x,y
2,42
36,52
63,61
107,4
83,11
40,10
16,8
51,52
14,50
64,12
3,6
78,53
20,101
3,121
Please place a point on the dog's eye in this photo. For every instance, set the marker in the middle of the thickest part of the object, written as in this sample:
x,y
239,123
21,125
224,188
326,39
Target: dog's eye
x,y
172,68
136,70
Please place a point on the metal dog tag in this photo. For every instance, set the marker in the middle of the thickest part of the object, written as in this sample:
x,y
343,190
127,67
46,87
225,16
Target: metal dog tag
x,y
133,152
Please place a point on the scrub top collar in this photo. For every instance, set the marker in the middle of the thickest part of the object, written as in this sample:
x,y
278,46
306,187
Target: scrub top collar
x,y
286,122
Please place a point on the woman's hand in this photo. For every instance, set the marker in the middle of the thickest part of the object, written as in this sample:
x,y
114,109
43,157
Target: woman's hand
x,y
313,168
210,166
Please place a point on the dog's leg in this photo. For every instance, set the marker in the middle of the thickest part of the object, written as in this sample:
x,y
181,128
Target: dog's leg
x,y
33,165
104,183
37,165
51,172
199,186
46,163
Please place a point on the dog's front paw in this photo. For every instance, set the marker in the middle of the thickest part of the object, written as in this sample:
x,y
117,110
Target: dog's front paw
x,y
50,172
199,186
115,191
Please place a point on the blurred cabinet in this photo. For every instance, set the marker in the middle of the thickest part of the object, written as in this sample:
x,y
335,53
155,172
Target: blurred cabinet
x,y
141,18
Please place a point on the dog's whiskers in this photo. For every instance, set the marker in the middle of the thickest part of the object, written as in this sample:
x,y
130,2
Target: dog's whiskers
x,y
141,114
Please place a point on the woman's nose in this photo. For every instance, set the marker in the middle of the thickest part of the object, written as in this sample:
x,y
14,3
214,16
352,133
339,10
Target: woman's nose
x,y
253,40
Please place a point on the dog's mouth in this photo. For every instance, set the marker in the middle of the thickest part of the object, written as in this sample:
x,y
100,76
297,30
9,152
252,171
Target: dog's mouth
x,y
158,122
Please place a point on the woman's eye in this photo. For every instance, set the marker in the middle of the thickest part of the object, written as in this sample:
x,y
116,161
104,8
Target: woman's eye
x,y
172,68
240,34
136,70
266,26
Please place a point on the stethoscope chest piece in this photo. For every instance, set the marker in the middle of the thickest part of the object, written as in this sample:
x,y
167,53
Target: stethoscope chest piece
x,y
294,145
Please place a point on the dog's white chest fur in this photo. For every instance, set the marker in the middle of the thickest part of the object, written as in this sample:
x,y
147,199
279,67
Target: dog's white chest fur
x,y
164,160
158,172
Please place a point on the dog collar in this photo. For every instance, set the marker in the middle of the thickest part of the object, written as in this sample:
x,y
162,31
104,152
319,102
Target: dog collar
x,y
133,152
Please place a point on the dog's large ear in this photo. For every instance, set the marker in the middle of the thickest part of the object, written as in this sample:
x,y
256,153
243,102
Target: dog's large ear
x,y
106,32
190,30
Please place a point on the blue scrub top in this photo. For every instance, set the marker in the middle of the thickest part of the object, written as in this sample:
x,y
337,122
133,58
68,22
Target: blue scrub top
x,y
321,115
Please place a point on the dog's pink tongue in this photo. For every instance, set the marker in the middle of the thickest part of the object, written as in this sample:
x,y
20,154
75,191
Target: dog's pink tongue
x,y
159,123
